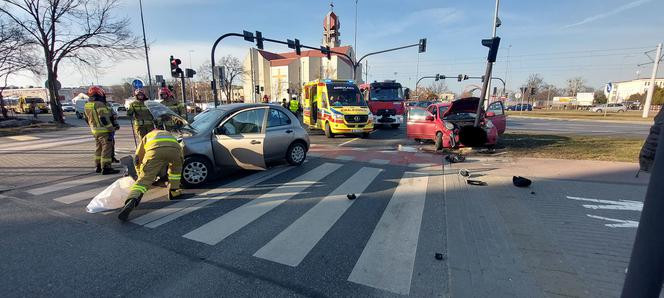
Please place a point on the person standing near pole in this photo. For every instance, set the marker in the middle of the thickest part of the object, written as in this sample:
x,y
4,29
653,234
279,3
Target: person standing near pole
x,y
114,121
139,114
294,106
99,119
168,100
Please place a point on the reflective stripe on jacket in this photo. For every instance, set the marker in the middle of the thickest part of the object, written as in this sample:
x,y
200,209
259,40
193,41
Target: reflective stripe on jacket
x,y
140,114
156,139
99,118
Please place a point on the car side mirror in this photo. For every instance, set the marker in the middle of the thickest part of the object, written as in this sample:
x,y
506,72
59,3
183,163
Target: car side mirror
x,y
490,114
429,118
406,93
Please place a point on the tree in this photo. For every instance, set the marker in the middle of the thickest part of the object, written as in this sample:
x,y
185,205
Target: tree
x,y
16,54
233,70
600,97
576,85
80,31
433,91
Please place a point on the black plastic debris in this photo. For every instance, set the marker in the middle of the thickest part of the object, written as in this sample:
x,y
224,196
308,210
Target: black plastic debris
x,y
439,256
532,192
455,158
476,182
464,172
351,196
521,182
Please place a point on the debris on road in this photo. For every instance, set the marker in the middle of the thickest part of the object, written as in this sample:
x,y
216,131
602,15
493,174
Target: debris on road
x,y
464,173
440,256
455,158
351,196
476,182
521,182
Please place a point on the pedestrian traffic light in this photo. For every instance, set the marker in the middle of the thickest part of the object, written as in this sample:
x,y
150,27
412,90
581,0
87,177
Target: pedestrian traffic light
x,y
248,36
326,51
295,44
259,40
175,67
492,44
257,89
423,45
189,73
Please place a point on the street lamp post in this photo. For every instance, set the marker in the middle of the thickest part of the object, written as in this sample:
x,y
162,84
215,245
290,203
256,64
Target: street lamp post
x,y
145,44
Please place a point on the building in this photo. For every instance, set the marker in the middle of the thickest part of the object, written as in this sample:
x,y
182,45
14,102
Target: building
x,y
279,75
623,90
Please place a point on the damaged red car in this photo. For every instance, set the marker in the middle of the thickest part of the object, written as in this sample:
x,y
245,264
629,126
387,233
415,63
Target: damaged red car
x,y
442,122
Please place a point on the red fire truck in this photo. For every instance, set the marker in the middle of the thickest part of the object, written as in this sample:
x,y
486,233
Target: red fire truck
x,y
386,101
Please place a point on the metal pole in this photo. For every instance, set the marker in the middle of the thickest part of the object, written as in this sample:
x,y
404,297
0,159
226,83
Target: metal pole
x,y
191,88
184,96
147,57
651,88
493,34
355,46
485,85
214,47
646,266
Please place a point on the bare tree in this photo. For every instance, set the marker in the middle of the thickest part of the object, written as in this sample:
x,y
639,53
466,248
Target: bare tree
x,y
432,91
81,31
16,54
233,73
576,85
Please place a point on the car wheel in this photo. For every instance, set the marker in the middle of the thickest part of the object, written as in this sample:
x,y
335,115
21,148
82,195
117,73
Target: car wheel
x,y
620,111
328,130
296,154
439,141
196,171
395,126
598,111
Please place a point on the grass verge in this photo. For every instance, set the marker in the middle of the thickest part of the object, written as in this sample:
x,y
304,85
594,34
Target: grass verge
x,y
572,147
585,115
33,128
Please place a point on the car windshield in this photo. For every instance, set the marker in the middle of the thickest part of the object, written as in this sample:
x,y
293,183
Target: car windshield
x,y
391,93
344,95
205,121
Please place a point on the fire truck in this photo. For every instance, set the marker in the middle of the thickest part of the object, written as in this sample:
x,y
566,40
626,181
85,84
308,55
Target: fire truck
x,y
386,101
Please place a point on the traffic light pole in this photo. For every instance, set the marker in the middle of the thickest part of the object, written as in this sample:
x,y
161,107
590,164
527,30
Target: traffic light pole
x,y
184,96
215,93
483,93
357,63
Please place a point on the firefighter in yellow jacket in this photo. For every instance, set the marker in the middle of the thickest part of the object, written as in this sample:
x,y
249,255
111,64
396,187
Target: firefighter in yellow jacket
x,y
100,120
139,114
174,105
158,149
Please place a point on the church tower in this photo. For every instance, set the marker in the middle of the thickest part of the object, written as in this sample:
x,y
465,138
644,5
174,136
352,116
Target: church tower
x,y
331,27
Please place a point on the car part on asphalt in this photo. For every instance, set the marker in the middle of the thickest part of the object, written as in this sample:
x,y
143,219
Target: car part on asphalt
x,y
351,196
476,182
521,182
455,158
440,256
464,173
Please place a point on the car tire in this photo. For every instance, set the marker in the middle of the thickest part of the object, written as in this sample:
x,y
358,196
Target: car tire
x,y
328,131
598,111
620,111
439,141
196,171
395,126
296,154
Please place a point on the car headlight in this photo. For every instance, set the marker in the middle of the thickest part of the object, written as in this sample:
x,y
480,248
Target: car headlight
x,y
337,116
449,125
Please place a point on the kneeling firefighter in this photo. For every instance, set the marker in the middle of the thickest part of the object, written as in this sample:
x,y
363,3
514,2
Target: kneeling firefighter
x,y
157,150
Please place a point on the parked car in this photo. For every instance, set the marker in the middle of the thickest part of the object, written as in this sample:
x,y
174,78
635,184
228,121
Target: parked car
x,y
67,107
520,107
441,122
118,107
610,108
244,136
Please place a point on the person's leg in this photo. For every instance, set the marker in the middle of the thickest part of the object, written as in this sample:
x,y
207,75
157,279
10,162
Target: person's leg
x,y
107,155
148,172
174,173
97,158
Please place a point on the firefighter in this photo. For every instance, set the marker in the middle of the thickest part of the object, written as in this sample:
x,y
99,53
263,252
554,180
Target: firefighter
x,y
294,106
140,115
114,121
157,150
100,120
177,107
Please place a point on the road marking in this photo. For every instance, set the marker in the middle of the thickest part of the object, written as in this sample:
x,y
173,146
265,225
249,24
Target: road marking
x,y
345,157
37,141
348,142
68,184
23,138
621,223
218,229
80,196
420,165
611,205
379,161
167,214
49,144
388,259
292,245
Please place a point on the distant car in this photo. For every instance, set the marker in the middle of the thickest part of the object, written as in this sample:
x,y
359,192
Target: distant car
x,y
118,107
67,107
245,136
520,107
441,122
610,108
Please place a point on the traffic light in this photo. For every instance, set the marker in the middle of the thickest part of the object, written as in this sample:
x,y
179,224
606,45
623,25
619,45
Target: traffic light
x,y
175,67
189,73
492,44
259,40
532,91
257,89
462,77
437,77
423,45
326,51
295,44
248,36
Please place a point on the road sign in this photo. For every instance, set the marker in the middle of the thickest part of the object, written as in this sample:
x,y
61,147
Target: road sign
x,y
608,89
138,84
517,95
58,86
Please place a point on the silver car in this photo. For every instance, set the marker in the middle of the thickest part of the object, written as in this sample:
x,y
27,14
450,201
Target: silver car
x,y
610,108
245,136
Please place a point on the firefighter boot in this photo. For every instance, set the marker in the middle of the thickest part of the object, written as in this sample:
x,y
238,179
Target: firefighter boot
x,y
98,169
176,194
130,204
109,171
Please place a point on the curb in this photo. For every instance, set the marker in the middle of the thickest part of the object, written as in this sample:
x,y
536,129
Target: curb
x,y
580,119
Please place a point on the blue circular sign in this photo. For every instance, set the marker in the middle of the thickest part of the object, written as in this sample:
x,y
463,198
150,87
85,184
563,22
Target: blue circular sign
x,y
138,84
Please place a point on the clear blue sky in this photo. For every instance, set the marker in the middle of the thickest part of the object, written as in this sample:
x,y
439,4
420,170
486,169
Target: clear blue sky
x,y
600,40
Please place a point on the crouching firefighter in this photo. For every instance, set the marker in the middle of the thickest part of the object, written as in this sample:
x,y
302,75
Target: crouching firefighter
x,y
158,149
100,120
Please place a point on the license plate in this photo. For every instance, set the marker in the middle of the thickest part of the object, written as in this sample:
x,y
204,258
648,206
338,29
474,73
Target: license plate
x,y
357,130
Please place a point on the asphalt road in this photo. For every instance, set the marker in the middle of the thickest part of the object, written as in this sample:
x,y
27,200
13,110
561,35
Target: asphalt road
x,y
575,127
292,231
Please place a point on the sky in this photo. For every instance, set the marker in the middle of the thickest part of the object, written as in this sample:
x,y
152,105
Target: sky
x,y
599,40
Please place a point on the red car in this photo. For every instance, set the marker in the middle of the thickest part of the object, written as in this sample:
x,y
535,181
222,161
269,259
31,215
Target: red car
x,y
441,122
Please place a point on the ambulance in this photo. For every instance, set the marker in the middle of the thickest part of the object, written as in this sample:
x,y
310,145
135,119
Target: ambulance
x,y
336,107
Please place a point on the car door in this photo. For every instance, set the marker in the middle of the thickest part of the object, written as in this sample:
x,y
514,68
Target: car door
x,y
238,141
499,118
420,124
278,134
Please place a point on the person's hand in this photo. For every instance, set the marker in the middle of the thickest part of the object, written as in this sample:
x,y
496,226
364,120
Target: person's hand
x,y
117,127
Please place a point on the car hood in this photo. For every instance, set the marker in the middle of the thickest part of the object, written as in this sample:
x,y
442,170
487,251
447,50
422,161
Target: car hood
x,y
350,110
463,105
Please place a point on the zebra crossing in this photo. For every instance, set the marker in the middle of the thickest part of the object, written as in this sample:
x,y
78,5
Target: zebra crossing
x,y
387,259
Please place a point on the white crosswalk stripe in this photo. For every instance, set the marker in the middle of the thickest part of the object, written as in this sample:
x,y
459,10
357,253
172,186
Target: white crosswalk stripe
x,y
80,196
293,244
229,223
69,184
45,143
388,259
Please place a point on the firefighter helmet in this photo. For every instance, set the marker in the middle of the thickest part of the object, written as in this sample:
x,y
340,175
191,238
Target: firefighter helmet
x,y
96,91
